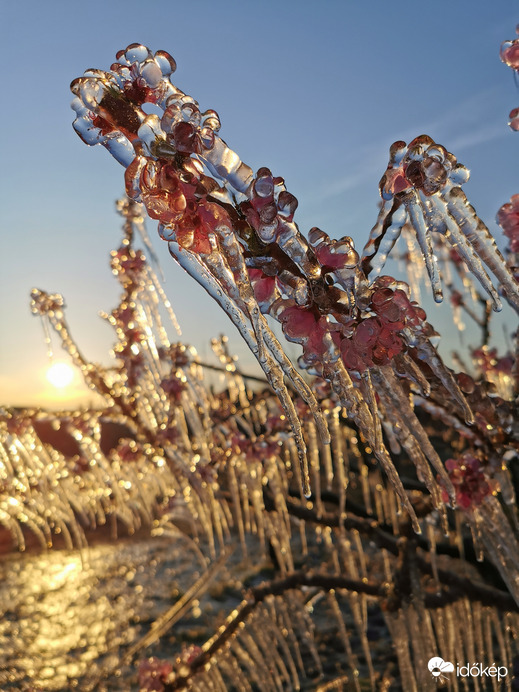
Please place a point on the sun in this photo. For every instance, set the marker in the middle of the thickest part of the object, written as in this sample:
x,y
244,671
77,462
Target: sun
x,y
60,375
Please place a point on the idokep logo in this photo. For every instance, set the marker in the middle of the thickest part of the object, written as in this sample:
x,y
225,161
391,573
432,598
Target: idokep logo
x,y
439,667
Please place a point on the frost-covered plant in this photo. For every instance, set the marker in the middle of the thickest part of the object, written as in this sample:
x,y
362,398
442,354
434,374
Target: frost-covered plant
x,y
290,472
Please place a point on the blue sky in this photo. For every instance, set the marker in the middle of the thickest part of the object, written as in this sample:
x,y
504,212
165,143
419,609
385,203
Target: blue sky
x,y
316,91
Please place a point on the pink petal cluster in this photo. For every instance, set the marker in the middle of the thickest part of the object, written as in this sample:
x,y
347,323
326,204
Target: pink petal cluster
x,y
173,387
508,219
129,450
153,674
509,54
176,195
263,447
128,261
376,340
306,326
469,480
266,288
372,343
488,361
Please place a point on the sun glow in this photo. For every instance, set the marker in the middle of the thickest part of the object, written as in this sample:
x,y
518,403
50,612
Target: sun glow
x,y
60,375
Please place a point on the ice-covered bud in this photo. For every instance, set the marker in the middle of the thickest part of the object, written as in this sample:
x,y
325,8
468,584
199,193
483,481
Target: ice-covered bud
x,y
509,53
333,254
287,205
514,119
265,288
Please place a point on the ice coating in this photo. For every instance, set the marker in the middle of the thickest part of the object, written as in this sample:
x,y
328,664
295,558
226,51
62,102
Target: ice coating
x,y
422,187
509,54
234,232
226,463
508,219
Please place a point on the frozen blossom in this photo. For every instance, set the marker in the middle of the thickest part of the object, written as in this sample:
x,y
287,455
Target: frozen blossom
x,y
510,56
272,466
235,233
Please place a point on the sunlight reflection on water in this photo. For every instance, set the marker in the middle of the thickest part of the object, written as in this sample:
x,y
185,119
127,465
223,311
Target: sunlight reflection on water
x,y
65,614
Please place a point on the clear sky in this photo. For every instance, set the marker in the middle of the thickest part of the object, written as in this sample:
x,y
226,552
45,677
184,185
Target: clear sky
x,y
316,91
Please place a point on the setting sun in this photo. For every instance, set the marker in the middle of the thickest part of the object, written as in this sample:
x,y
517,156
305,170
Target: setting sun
x,y
60,375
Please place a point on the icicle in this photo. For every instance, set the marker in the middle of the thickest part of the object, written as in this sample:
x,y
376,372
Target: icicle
x,y
356,408
235,496
416,216
269,634
356,604
483,242
266,672
487,630
326,459
300,385
421,645
463,248
499,540
338,460
287,626
352,659
313,453
383,236
242,486
396,625
280,634
274,374
431,537
454,627
234,674
423,470
392,392
477,621
392,474
379,510
255,667
466,616
450,421
303,625
365,484
405,365
368,392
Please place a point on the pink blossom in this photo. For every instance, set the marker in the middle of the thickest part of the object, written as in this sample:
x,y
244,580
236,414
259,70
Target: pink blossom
x,y
265,288
510,54
469,480
129,450
153,674
508,219
173,387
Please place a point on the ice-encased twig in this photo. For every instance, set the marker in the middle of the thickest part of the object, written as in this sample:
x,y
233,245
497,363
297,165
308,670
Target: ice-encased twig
x,y
425,179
